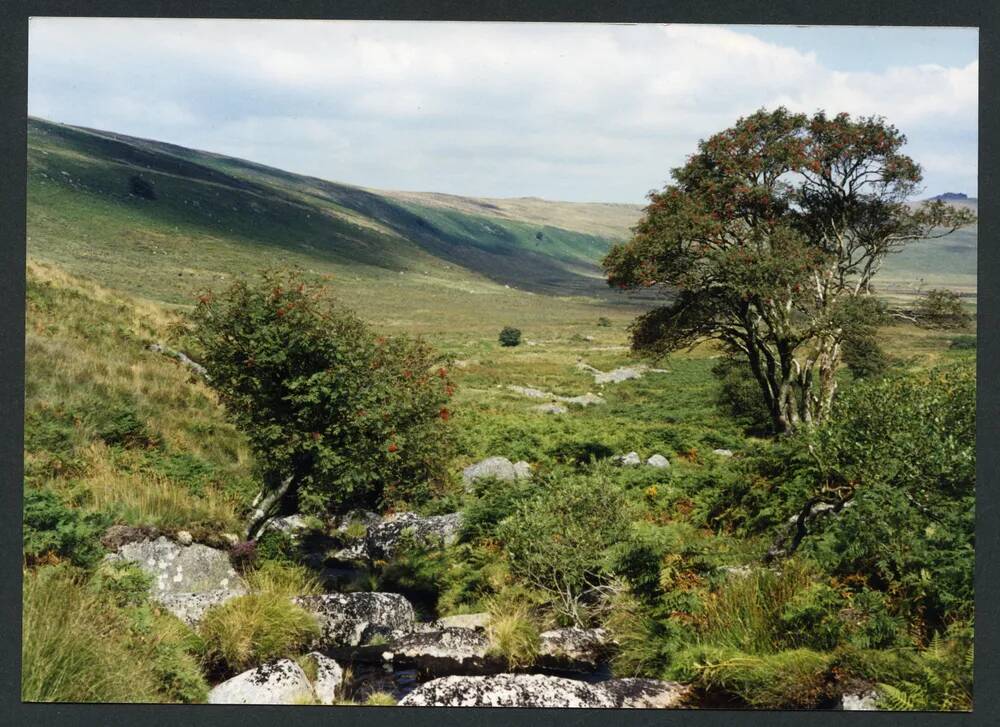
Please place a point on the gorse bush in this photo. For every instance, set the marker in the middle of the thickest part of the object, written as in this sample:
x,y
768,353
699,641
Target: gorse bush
x,y
337,416
510,336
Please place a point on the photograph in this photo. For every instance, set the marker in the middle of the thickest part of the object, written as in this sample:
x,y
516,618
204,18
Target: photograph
x,y
403,363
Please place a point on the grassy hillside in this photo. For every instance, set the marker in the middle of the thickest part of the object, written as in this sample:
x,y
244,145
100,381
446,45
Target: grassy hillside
x,y
234,215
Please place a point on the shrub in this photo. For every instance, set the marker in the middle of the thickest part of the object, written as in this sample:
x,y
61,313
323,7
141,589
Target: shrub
x,y
604,322
902,451
557,541
50,527
739,394
942,308
864,357
139,187
253,629
336,415
581,453
963,343
122,426
510,336
512,633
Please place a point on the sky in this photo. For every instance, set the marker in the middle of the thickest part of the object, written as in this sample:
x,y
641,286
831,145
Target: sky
x,y
577,112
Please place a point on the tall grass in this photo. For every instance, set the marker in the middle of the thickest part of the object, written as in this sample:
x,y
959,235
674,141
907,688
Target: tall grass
x,y
78,645
512,633
744,614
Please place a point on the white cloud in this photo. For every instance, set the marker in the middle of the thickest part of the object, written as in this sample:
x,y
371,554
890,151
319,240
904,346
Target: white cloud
x,y
578,111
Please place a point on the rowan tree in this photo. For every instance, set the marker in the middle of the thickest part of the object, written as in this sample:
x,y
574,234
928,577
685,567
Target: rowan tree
x,y
769,239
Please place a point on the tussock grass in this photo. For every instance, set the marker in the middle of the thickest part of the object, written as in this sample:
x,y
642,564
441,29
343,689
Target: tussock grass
x,y
745,612
262,625
512,633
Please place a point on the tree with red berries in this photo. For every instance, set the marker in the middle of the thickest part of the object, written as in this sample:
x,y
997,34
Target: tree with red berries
x,y
769,240
336,415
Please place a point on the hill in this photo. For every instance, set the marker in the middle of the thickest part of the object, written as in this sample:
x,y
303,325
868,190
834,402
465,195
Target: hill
x,y
207,215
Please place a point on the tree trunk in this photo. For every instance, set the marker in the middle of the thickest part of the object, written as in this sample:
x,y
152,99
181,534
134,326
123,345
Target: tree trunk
x,y
265,506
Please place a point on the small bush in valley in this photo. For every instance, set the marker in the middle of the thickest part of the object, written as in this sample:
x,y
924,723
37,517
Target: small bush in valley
x,y
510,336
942,308
557,541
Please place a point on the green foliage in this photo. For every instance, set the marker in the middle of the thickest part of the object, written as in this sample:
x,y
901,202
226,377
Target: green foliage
x,y
864,357
51,527
558,539
903,449
941,680
510,336
581,453
942,308
739,393
794,679
604,322
353,418
122,426
963,343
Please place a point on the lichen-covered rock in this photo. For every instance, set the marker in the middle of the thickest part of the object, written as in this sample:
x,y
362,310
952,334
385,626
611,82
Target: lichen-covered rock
x,y
383,540
859,702
723,452
329,683
658,461
280,682
183,537
499,468
190,607
523,470
444,651
551,408
179,568
291,525
508,690
364,518
349,619
628,460
573,648
635,693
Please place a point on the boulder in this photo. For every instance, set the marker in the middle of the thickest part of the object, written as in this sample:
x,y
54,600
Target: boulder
x,y
723,452
366,518
179,568
551,408
508,690
583,399
618,375
573,648
190,607
866,701
280,682
184,537
350,619
383,540
478,621
444,651
329,683
522,470
658,461
499,468
291,525
636,693
628,460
